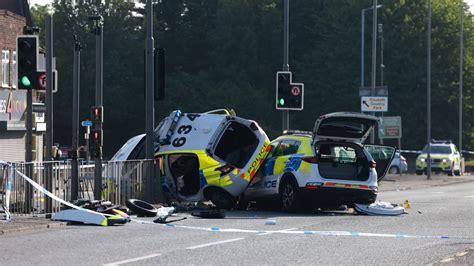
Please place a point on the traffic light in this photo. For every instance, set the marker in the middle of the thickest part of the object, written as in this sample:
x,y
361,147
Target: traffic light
x,y
97,138
27,54
289,96
97,114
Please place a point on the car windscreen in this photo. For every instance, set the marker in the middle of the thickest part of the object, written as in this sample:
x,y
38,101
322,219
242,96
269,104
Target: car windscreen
x,y
443,149
236,145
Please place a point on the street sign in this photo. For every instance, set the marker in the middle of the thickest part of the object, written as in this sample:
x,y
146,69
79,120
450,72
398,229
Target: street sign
x,y
378,91
390,127
86,123
373,104
41,81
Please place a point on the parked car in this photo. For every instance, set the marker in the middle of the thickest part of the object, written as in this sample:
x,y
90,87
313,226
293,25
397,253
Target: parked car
x,y
204,156
445,157
398,163
327,167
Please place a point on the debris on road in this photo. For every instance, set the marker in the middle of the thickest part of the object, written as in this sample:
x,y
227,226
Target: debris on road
x,y
270,222
209,213
380,208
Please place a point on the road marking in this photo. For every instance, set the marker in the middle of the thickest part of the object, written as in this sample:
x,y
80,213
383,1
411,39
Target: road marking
x,y
132,260
447,260
460,254
215,243
472,196
269,233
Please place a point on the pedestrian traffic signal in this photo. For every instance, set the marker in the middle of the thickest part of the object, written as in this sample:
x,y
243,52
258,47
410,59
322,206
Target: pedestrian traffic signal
x,y
97,138
289,96
27,54
97,114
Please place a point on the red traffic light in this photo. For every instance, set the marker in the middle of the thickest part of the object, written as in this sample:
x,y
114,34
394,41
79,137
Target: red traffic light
x,y
97,114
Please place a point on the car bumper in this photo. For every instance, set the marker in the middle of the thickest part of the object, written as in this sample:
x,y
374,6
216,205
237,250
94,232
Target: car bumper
x,y
435,166
325,196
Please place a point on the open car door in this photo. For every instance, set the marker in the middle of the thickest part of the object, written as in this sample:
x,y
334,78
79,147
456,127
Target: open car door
x,y
345,126
383,156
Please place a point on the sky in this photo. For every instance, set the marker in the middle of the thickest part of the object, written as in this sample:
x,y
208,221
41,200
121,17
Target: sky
x,y
43,2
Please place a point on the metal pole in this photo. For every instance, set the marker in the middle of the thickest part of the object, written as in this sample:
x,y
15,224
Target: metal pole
x,y
374,60
461,59
150,109
75,118
381,65
286,65
400,159
98,102
49,110
362,49
428,96
29,147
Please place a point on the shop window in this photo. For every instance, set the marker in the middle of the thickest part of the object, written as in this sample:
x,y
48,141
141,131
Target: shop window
x,y
5,68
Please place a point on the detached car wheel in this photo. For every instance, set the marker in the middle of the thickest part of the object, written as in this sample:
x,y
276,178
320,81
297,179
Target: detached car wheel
x,y
141,208
290,196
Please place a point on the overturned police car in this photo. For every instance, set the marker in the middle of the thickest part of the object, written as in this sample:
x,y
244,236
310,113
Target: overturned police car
x,y
204,156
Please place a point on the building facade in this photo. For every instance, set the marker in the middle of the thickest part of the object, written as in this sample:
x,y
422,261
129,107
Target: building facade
x,y
14,16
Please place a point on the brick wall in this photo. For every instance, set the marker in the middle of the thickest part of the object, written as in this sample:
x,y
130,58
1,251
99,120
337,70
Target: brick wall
x,y
11,25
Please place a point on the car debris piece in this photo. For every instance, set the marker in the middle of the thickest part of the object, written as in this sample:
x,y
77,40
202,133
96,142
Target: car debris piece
x,y
380,208
165,212
270,222
209,213
141,208
91,217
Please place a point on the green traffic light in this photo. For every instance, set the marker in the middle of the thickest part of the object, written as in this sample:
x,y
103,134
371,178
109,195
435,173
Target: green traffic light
x,y
25,81
282,101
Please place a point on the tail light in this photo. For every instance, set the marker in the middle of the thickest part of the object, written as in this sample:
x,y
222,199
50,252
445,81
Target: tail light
x,y
310,159
372,164
225,169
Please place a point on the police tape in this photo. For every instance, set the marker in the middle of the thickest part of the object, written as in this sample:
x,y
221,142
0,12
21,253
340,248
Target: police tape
x,y
292,232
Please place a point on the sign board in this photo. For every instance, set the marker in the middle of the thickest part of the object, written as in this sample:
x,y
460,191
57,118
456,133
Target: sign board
x,y
378,91
41,82
373,104
390,127
86,123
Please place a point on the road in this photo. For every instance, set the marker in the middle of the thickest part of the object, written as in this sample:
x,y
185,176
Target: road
x,y
435,211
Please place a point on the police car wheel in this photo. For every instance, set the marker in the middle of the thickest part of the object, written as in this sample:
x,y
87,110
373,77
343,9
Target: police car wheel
x,y
451,172
393,170
141,208
222,200
289,196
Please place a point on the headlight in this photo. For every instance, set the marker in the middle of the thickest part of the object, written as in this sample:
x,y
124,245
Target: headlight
x,y
422,159
444,160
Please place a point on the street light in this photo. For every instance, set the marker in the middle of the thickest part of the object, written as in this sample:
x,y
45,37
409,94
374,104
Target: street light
x,y
428,92
362,46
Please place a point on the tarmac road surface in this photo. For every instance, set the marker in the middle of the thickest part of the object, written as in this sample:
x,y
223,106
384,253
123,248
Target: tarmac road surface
x,y
439,225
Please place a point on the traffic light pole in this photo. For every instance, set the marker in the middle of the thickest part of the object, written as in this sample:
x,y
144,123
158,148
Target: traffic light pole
x,y
286,65
75,118
149,101
99,40
49,111
374,61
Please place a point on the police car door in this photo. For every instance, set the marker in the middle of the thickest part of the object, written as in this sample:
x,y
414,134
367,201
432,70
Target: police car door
x,y
256,187
383,156
277,165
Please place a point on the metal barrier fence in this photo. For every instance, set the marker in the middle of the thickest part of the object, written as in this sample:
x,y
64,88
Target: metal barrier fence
x,y
121,180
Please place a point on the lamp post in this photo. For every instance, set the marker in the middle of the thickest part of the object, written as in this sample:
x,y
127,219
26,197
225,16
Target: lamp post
x,y
461,59
362,45
428,92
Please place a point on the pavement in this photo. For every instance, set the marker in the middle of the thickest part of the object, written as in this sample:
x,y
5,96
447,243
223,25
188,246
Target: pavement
x,y
26,224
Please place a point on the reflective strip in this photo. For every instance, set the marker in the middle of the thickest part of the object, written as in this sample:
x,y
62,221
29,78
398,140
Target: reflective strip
x,y
332,184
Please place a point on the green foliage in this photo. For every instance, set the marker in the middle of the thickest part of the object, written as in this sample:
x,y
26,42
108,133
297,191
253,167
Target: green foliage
x,y
224,53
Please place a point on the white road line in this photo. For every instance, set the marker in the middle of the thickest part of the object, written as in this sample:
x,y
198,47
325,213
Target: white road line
x,y
216,243
132,260
472,196
447,260
268,233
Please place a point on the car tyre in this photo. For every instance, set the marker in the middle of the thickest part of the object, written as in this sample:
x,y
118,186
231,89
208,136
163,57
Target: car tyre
x,y
290,196
393,170
419,172
457,173
141,208
243,203
222,199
